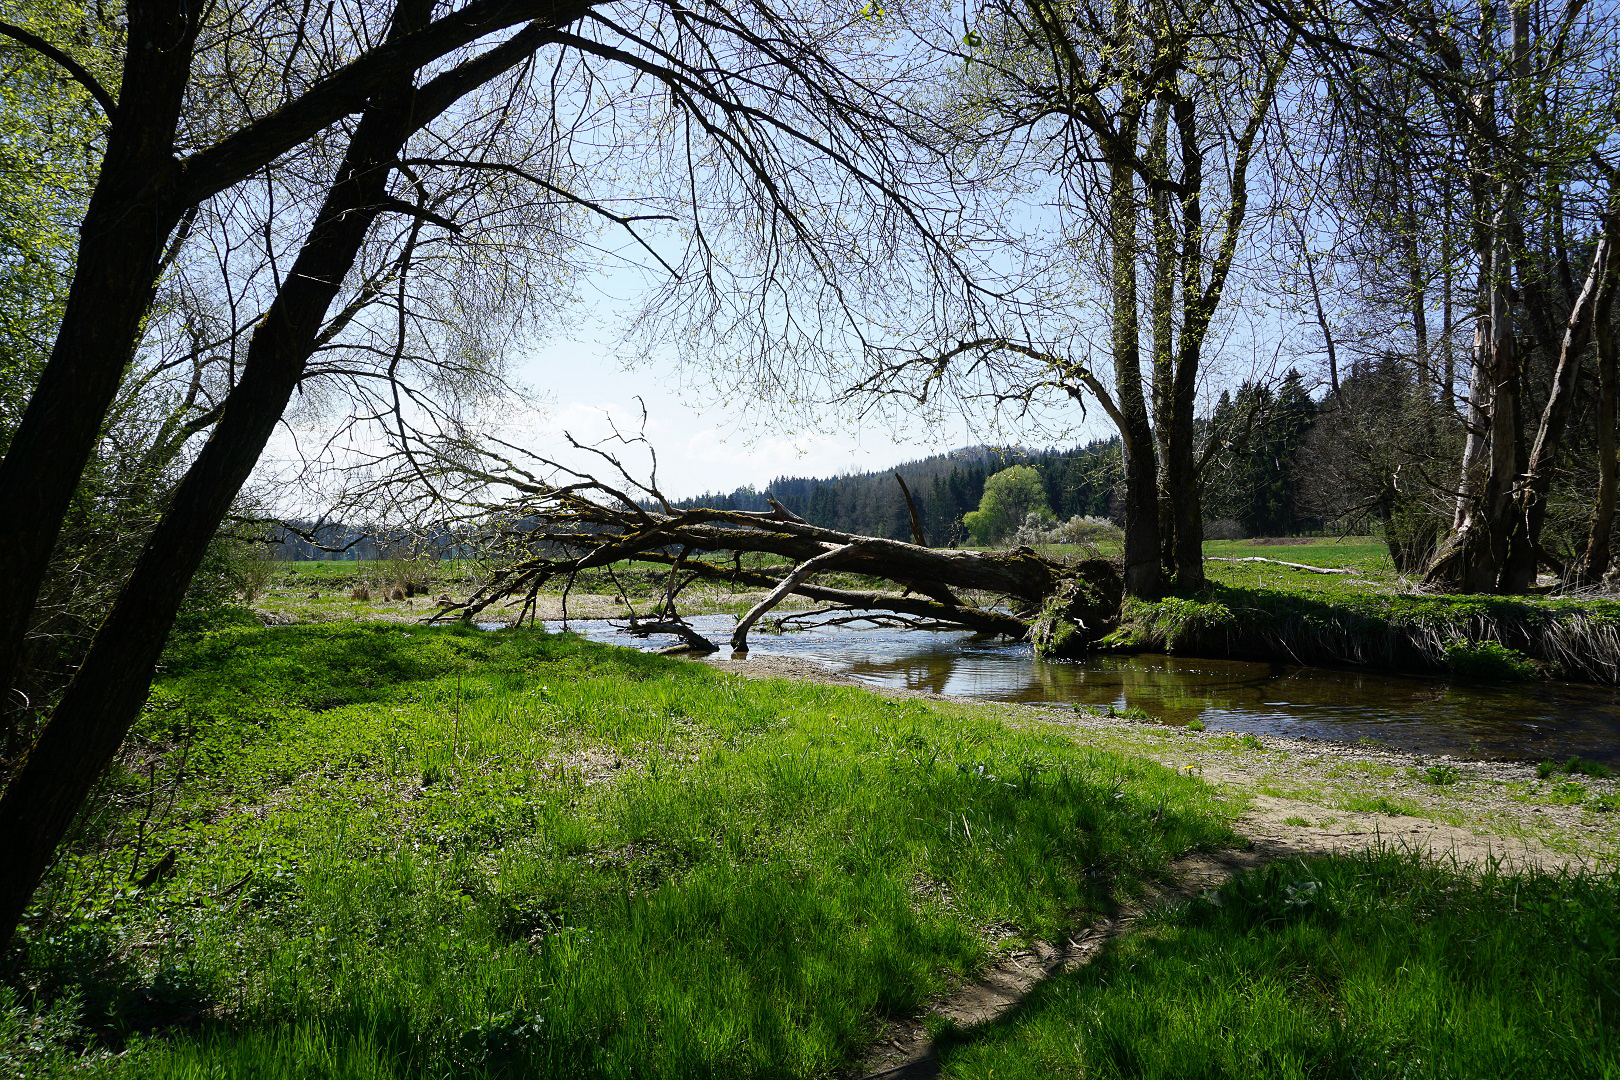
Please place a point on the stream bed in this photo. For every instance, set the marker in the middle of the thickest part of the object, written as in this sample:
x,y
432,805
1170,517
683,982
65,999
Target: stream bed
x,y
1546,720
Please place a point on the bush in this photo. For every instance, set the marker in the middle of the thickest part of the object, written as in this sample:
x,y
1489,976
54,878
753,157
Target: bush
x,y
1091,533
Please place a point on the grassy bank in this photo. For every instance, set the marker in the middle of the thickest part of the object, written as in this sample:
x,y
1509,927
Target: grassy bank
x,y
368,850
1267,611
1259,610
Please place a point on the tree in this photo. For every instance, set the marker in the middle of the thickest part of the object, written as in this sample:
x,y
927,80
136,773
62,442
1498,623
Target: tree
x,y
1377,456
181,136
1510,106
1251,477
1010,496
1148,117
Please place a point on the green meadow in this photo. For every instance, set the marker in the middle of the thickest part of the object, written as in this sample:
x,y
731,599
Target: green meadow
x,y
425,852
373,850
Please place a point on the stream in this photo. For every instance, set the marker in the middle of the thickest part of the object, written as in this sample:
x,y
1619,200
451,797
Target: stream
x,y
1546,720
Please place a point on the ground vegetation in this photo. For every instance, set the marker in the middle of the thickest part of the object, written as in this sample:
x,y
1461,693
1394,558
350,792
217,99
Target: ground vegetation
x,y
370,847
391,137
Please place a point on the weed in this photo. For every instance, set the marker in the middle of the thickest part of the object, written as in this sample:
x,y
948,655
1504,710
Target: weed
x,y
1195,724
1442,775
1488,661
1575,766
1568,793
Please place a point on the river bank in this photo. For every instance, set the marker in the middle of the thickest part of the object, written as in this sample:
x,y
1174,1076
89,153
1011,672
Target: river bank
x,y
1327,602
1489,638
1319,796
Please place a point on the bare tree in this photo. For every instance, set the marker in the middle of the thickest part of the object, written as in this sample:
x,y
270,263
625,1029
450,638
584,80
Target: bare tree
x,y
1148,117
1507,105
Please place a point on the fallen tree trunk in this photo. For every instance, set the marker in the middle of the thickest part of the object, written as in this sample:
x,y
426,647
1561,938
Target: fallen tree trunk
x,y
1061,606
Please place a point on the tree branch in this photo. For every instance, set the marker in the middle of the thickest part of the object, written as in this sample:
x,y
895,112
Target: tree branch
x,y
80,74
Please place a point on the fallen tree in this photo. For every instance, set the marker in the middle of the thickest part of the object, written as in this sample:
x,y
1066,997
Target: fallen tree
x,y
1061,606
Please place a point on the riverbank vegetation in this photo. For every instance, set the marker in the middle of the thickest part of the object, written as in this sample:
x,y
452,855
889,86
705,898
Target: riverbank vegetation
x,y
1264,600
376,850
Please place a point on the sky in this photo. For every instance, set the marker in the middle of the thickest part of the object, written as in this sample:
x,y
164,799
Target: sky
x,y
703,444
582,384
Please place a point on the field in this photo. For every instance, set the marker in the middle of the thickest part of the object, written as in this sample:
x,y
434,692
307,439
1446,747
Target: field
x,y
373,850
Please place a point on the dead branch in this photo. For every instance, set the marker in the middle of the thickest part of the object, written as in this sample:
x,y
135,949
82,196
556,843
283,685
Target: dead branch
x,y
582,525
1280,562
739,636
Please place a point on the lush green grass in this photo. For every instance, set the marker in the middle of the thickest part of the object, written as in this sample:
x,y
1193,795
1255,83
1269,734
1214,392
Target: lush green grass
x,y
1375,966
1366,556
416,852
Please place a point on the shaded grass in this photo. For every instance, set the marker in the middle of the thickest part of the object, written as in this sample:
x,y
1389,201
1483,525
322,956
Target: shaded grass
x,y
429,852
1383,965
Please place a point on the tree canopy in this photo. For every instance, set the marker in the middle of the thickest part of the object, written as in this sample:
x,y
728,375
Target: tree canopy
x,y
1010,496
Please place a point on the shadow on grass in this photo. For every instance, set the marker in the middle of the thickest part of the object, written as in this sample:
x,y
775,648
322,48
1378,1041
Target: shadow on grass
x,y
1382,965
467,854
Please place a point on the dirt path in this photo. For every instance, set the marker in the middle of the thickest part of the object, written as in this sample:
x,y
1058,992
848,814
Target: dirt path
x,y
904,1051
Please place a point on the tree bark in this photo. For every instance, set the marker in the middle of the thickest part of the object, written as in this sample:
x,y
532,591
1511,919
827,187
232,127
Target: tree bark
x,y
1595,556
1143,576
131,213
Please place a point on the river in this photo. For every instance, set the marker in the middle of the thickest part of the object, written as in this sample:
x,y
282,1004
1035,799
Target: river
x,y
1545,720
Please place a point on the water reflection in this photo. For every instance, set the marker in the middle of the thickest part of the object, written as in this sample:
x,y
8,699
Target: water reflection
x,y
1539,721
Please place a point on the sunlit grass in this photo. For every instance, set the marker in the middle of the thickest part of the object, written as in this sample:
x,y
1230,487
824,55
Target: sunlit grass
x,y
414,852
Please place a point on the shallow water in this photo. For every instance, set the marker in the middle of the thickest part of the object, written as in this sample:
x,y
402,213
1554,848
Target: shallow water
x,y
1536,721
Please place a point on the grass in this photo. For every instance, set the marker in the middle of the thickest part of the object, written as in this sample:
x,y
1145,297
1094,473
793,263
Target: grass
x,y
1365,555
413,852
1382,965
1441,775
1575,766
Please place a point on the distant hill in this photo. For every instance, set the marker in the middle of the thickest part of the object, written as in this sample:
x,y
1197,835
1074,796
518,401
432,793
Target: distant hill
x,y
946,486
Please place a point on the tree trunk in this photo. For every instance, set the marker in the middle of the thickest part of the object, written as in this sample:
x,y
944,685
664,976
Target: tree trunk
x,y
130,216
106,694
1181,464
1595,555
1593,303
1142,572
